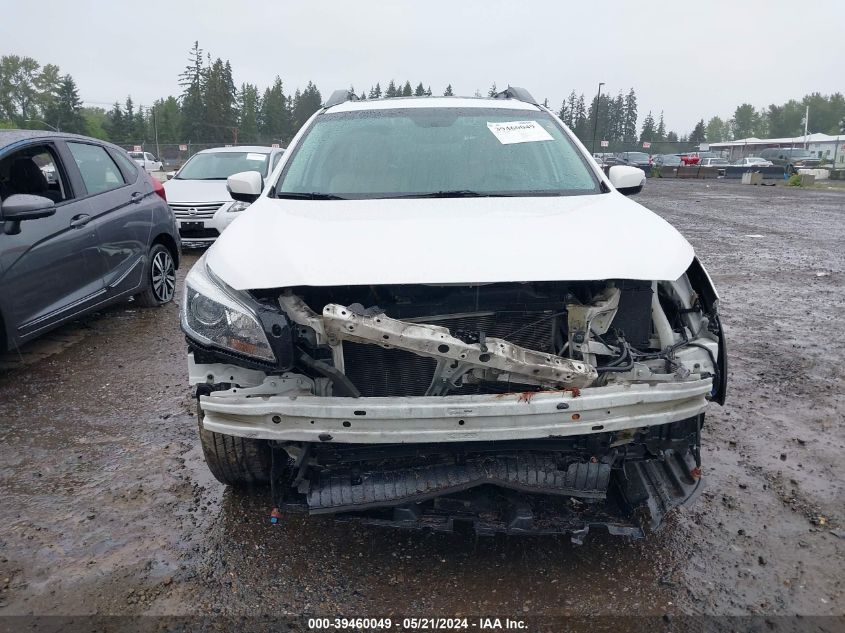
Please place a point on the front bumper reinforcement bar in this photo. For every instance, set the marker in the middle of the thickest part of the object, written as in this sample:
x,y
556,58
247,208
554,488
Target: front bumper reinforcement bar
x,y
257,413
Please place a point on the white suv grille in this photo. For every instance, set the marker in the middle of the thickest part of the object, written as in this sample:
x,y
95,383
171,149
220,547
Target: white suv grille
x,y
195,210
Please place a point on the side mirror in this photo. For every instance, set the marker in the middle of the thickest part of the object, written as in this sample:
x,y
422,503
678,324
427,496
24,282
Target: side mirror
x,y
17,208
627,180
245,186
170,175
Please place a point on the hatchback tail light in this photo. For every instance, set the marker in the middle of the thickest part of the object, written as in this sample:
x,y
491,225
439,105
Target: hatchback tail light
x,y
158,188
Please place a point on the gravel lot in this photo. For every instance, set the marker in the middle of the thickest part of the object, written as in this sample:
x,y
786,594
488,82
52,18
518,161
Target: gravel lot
x,y
108,508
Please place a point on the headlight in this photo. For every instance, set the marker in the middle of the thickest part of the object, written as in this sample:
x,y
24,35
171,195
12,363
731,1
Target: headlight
x,y
237,205
213,315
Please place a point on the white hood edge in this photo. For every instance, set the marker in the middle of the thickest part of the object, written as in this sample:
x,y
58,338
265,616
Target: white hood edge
x,y
284,243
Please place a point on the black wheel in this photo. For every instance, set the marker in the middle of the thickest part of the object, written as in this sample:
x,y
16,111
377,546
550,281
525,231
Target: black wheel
x,y
161,278
235,461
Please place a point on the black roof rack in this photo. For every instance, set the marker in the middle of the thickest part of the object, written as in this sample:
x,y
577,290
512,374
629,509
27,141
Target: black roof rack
x,y
339,96
514,92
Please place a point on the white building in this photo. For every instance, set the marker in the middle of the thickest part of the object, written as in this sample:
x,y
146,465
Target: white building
x,y
830,148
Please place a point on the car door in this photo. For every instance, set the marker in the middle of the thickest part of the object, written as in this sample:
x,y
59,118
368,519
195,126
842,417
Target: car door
x,y
51,270
120,211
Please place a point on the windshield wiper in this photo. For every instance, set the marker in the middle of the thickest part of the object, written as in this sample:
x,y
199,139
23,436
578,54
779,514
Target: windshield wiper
x,y
314,195
453,193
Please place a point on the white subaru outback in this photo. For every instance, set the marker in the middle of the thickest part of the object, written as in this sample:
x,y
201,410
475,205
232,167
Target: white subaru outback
x,y
440,312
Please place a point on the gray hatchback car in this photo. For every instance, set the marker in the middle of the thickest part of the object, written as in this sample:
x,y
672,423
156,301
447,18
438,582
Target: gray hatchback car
x,y
81,226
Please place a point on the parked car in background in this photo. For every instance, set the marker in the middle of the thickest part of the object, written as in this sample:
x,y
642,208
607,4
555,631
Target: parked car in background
x,y
667,160
752,161
352,345
197,192
100,231
636,159
714,162
695,158
791,158
147,161
609,158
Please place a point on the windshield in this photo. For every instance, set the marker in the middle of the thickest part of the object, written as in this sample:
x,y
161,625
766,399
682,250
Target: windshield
x,y
637,156
221,165
435,151
798,153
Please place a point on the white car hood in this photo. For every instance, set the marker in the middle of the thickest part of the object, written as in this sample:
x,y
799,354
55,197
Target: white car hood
x,y
196,190
282,243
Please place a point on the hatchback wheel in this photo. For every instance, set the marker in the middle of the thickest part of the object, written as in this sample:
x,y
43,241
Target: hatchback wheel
x,y
161,278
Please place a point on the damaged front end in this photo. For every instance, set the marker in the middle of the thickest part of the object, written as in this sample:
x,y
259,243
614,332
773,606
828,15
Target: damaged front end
x,y
537,407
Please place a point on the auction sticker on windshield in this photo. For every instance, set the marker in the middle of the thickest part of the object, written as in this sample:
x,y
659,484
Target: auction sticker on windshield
x,y
519,132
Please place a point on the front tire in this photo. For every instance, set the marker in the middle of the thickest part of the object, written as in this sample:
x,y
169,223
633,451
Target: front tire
x,y
161,278
235,461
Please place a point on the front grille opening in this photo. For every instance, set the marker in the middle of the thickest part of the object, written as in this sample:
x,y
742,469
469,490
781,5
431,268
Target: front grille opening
x,y
380,372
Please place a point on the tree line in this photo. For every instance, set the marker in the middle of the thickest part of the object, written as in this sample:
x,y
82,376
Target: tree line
x,y
212,108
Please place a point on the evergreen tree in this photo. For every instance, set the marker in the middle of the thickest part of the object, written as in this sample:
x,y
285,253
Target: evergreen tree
x,y
419,91
407,91
698,134
563,113
115,124
660,132
648,131
618,119
493,90
168,120
391,90
220,97
139,125
582,125
65,112
428,91
248,107
129,135
448,92
192,82
375,93
571,103
275,114
629,132
306,104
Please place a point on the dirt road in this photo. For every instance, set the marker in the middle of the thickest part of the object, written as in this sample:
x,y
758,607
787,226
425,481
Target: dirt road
x,y
107,506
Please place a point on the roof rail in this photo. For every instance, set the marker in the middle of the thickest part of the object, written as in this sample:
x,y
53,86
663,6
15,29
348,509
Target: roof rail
x,y
339,96
514,92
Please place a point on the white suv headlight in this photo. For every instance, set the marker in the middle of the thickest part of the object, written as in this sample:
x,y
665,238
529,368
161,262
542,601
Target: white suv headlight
x,y
237,205
211,314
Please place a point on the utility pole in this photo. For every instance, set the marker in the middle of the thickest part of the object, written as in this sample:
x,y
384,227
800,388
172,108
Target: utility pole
x,y
596,116
155,130
806,123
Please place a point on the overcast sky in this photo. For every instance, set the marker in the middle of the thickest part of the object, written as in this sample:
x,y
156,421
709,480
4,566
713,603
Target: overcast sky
x,y
689,59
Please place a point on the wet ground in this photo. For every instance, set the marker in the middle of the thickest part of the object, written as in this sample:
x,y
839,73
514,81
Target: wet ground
x,y
107,506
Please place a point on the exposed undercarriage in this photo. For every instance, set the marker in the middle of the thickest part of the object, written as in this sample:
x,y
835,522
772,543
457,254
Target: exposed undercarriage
x,y
543,407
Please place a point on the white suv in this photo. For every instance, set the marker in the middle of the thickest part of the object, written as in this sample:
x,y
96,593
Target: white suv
x,y
197,192
440,311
